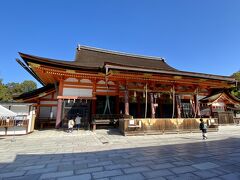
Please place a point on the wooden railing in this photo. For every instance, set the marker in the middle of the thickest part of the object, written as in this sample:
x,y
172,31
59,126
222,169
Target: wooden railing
x,y
12,123
161,126
107,119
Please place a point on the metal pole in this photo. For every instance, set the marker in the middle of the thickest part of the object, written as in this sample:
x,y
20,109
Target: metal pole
x,y
13,140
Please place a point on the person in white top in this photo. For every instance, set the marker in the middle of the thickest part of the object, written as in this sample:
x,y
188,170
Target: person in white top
x,y
78,121
70,125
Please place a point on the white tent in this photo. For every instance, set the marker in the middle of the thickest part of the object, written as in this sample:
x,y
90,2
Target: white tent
x,y
4,112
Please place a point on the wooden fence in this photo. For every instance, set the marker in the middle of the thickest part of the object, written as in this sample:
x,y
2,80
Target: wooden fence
x,y
161,126
11,123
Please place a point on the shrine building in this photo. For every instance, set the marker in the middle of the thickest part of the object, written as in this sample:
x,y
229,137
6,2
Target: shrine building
x,y
103,82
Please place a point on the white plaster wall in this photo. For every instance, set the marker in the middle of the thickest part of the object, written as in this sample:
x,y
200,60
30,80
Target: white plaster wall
x,y
12,131
20,110
77,92
45,112
54,110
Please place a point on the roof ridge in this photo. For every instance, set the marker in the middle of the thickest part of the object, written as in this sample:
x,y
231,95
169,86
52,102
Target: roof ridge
x,y
121,53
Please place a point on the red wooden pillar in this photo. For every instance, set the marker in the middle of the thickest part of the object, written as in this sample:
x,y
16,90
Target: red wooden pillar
x,y
59,106
152,106
37,111
126,98
117,109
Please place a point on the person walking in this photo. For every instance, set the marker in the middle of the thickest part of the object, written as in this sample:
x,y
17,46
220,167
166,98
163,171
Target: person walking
x,y
203,128
78,121
70,125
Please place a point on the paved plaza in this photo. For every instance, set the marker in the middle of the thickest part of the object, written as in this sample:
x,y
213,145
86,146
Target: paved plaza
x,y
105,154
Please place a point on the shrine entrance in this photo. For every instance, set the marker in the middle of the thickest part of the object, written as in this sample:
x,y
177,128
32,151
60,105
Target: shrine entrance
x,y
105,105
71,108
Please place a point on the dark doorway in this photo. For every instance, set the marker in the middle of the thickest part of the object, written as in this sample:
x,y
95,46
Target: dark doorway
x,y
101,105
71,109
165,107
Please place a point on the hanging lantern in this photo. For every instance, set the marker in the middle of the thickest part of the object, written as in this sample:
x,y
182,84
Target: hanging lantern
x,y
159,95
135,94
68,101
74,100
143,94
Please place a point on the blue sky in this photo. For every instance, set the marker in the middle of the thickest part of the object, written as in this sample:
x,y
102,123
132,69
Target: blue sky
x,y
199,36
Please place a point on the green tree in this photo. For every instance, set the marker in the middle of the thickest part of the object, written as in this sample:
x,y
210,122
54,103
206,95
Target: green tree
x,y
27,86
4,93
236,90
7,91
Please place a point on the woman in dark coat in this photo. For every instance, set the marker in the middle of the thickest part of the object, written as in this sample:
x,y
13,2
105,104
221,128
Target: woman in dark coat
x,y
203,128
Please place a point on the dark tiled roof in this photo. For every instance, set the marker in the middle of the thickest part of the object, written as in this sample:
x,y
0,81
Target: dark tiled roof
x,y
93,57
36,92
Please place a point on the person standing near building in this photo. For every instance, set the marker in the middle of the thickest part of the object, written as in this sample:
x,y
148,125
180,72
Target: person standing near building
x,y
70,125
203,128
78,121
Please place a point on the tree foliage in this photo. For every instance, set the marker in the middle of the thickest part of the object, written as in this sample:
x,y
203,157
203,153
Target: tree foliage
x,y
236,90
9,90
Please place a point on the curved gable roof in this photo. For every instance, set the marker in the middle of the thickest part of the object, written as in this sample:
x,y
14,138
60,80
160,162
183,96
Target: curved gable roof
x,y
222,93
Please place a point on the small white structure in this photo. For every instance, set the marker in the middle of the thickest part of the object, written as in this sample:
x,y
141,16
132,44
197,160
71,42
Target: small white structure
x,y
16,118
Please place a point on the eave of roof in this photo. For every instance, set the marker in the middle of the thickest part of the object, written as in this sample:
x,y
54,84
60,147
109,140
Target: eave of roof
x,y
56,63
36,92
181,73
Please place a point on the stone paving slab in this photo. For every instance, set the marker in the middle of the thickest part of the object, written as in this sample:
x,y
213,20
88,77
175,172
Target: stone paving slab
x,y
205,166
107,155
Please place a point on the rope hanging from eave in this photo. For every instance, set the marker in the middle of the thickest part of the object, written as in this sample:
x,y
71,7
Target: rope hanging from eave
x,y
107,103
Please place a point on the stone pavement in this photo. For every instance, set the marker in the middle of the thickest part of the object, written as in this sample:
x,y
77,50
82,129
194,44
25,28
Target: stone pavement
x,y
105,154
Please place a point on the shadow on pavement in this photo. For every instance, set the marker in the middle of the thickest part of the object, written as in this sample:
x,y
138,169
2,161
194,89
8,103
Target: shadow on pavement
x,y
200,160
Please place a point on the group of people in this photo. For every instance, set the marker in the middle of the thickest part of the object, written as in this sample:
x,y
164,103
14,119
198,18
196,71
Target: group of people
x,y
72,122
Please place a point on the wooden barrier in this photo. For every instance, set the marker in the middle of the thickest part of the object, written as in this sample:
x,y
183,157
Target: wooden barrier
x,y
7,127
11,123
107,119
161,126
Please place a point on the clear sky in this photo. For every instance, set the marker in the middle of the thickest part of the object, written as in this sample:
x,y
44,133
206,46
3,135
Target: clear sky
x,y
199,36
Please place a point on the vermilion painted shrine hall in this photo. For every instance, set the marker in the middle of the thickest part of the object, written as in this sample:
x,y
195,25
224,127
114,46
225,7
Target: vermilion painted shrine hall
x,y
107,82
